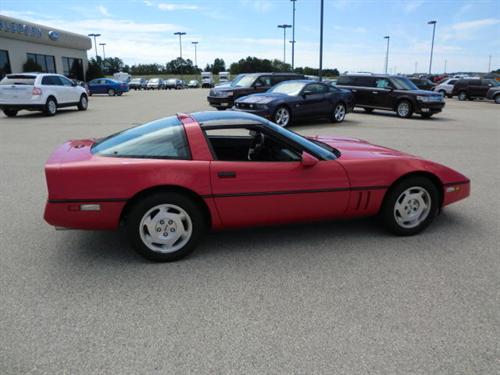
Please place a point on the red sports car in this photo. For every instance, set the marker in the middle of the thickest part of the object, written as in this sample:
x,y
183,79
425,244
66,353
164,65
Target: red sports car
x,y
170,180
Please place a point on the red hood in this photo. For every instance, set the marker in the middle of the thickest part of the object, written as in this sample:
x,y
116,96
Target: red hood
x,y
352,148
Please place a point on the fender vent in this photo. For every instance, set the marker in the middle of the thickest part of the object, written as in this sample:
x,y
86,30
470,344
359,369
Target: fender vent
x,y
363,200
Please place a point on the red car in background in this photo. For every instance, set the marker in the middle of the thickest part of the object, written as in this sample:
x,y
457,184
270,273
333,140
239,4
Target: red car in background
x,y
170,180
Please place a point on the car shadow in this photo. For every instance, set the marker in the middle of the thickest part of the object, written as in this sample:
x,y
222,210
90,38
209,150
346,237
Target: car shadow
x,y
35,114
283,241
436,117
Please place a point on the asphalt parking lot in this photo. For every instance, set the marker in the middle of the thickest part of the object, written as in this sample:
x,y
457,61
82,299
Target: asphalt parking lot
x,y
330,298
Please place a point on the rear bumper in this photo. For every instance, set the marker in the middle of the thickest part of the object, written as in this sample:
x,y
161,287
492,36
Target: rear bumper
x,y
220,102
18,107
69,214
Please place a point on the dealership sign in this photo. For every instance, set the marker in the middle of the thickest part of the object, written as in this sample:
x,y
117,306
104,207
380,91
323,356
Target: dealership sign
x,y
22,28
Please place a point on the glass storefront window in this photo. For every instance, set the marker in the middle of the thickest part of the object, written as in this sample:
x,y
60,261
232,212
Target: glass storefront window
x,y
73,68
4,63
46,62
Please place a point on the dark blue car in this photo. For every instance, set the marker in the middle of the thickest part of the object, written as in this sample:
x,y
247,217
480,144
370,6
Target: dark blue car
x,y
107,86
300,99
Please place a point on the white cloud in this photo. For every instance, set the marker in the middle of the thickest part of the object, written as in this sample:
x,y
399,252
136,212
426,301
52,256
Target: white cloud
x,y
171,7
102,9
412,5
476,24
148,3
258,5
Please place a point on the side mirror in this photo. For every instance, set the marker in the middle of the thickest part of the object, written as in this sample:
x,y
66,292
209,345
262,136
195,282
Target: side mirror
x,y
257,84
308,160
306,92
74,84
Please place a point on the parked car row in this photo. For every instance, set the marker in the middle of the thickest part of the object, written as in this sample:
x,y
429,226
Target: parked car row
x,y
162,84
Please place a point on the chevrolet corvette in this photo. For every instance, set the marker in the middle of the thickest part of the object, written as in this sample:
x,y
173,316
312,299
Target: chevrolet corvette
x,y
170,180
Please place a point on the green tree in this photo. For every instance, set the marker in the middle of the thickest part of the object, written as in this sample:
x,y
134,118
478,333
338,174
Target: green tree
x,y
112,65
218,66
94,70
31,66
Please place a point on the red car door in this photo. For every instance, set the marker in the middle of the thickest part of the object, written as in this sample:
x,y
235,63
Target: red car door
x,y
262,193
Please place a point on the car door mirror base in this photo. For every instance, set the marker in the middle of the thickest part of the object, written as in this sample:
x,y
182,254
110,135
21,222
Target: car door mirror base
x,y
308,160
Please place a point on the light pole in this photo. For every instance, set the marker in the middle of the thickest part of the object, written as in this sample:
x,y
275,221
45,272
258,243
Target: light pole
x,y
180,40
195,54
284,27
95,43
103,51
320,71
433,23
387,53
293,35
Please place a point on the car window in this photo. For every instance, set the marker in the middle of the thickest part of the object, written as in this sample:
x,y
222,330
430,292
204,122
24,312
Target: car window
x,y
65,81
264,80
382,83
402,83
344,80
452,82
246,143
288,87
487,82
18,79
316,88
160,139
51,81
364,81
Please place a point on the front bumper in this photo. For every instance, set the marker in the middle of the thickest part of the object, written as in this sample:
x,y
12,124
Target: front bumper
x,y
430,107
221,101
266,113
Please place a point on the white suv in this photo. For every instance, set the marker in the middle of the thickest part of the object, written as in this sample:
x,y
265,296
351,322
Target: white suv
x,y
446,87
40,92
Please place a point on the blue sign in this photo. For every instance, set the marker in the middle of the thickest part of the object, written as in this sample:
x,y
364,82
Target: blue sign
x,y
53,35
20,28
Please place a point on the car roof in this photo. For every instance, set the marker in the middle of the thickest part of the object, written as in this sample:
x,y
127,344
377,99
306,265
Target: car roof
x,y
226,118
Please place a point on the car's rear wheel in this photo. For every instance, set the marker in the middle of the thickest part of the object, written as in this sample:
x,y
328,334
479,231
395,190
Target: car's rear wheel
x,y
282,116
410,206
442,92
10,112
368,110
164,227
339,113
111,92
83,103
50,107
462,95
497,98
404,109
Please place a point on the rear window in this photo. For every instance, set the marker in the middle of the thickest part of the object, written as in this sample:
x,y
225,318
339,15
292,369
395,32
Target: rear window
x,y
160,139
18,79
344,80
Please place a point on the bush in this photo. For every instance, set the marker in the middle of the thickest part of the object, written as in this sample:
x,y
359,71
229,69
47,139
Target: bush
x,y
94,70
31,66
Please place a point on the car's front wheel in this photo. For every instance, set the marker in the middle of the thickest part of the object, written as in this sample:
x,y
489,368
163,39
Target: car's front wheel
x,y
282,116
497,98
164,227
50,107
83,103
410,206
10,112
404,109
442,92
111,92
462,95
339,113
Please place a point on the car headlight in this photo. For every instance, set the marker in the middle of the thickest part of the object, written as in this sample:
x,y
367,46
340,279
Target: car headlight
x,y
226,93
260,106
424,99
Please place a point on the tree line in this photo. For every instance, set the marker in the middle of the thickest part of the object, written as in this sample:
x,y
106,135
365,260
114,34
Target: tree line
x,y
99,67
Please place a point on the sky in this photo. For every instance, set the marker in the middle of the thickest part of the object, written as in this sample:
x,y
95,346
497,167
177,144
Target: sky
x,y
141,31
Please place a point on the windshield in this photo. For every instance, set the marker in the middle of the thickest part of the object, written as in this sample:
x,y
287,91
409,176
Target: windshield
x,y
243,81
402,83
288,88
319,148
493,82
153,80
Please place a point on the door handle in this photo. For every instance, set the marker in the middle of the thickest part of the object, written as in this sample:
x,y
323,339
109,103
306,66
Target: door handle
x,y
354,90
374,92
226,174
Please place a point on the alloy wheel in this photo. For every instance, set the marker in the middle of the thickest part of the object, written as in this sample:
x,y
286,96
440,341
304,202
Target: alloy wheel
x,y
339,113
282,116
412,207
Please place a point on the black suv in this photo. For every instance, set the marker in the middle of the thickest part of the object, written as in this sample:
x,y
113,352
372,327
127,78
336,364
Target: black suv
x,y
223,96
470,88
391,93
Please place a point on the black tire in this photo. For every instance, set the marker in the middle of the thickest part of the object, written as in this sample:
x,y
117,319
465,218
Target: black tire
x,y
83,103
119,93
426,115
368,110
339,113
442,92
449,96
277,114
462,96
111,92
10,112
141,208
404,109
497,98
221,108
50,106
388,213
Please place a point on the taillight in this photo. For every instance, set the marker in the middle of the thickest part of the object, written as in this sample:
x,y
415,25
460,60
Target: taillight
x,y
36,91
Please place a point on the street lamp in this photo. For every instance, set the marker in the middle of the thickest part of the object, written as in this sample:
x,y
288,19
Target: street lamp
x,y
284,27
433,23
387,53
180,40
95,43
103,51
293,34
195,54
320,71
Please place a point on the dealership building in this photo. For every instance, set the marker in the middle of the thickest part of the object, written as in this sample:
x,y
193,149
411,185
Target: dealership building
x,y
55,51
